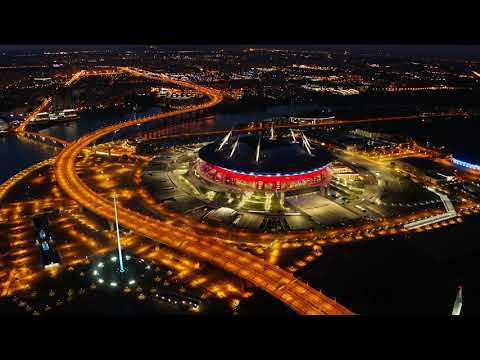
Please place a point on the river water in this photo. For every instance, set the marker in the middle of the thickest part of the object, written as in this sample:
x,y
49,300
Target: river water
x,y
17,154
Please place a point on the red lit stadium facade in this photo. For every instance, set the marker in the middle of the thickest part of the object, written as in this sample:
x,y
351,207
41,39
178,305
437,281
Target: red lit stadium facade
x,y
251,181
281,166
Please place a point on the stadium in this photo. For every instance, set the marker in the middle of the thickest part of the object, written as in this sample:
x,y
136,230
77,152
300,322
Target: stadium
x,y
264,164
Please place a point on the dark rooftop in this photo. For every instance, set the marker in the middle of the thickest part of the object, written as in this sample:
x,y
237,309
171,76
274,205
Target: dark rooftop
x,y
277,156
427,165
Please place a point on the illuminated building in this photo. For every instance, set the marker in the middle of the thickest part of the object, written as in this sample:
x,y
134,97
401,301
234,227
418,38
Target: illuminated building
x,y
426,169
344,173
58,116
261,163
466,164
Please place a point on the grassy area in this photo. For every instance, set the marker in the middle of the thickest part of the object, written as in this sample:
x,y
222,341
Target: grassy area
x,y
404,190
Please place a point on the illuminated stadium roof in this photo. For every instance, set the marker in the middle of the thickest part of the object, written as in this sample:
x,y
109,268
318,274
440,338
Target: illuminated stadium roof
x,y
275,156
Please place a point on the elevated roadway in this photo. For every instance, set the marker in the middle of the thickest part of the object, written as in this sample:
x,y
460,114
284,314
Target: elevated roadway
x,y
450,213
7,185
48,139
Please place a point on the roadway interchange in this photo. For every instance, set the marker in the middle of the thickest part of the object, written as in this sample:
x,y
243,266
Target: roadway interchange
x,y
271,278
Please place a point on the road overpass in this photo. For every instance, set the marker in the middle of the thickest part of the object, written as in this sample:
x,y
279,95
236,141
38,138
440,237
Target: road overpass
x,y
47,139
450,212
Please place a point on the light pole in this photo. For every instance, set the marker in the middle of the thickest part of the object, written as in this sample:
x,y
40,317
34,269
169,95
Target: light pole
x,y
122,269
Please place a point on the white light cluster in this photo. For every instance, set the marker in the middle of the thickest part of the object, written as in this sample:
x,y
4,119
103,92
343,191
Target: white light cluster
x,y
465,164
277,174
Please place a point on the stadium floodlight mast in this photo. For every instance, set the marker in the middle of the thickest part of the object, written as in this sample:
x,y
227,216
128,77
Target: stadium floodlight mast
x,y
306,144
225,139
122,269
258,149
234,148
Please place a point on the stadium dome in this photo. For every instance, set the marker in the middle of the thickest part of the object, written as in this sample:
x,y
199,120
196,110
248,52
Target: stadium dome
x,y
265,163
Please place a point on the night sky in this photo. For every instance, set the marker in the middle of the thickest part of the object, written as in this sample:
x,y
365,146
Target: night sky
x,y
442,51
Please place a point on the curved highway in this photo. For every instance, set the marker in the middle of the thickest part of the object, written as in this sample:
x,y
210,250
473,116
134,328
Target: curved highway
x,y
276,281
